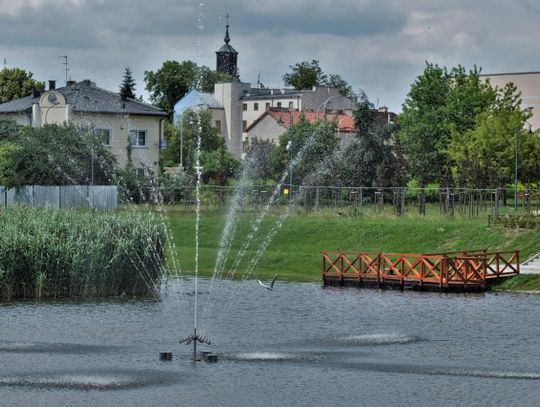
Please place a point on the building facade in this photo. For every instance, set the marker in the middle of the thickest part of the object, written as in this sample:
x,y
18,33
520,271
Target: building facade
x,y
118,122
528,83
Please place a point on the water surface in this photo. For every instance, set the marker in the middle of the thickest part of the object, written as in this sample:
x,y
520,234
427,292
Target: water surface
x,y
299,345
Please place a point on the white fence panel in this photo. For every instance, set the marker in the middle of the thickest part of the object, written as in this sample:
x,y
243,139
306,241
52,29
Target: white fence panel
x,y
46,196
71,196
74,196
103,197
20,196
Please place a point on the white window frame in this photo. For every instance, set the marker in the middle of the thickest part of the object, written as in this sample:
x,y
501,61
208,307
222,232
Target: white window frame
x,y
134,136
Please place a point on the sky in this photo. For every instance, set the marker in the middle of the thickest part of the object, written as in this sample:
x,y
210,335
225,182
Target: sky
x,y
379,46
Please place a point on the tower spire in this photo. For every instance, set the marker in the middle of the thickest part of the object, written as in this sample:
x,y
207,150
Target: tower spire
x,y
227,38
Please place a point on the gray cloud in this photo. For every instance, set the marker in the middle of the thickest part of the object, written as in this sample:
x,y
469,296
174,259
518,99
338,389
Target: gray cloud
x,y
379,46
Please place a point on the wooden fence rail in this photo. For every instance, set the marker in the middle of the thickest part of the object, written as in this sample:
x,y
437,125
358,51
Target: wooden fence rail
x,y
459,270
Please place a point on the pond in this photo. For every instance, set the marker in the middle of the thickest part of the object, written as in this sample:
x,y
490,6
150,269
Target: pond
x,y
299,345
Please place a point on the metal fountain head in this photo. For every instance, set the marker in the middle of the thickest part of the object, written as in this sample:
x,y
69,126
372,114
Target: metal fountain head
x,y
195,338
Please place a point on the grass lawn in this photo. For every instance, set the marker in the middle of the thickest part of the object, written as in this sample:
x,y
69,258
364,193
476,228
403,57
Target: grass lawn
x,y
294,252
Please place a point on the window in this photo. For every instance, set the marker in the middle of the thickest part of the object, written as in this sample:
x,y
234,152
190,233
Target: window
x,y
245,107
217,125
138,138
138,172
244,125
291,105
104,135
278,104
267,105
255,106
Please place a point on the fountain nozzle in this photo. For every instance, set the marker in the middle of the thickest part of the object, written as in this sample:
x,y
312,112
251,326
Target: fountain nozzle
x,y
195,338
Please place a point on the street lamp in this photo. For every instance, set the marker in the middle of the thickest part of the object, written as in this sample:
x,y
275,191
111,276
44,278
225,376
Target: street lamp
x,y
516,173
323,104
182,139
289,149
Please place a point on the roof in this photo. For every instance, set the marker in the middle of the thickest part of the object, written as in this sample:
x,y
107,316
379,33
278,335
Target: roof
x,y
17,105
193,99
226,48
86,97
510,73
287,118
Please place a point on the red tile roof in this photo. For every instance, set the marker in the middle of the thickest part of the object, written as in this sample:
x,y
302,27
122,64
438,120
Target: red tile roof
x,y
288,118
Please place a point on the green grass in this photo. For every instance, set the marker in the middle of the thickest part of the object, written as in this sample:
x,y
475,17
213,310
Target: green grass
x,y
294,253
524,282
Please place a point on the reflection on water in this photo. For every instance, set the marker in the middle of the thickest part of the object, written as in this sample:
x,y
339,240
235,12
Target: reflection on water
x,y
297,345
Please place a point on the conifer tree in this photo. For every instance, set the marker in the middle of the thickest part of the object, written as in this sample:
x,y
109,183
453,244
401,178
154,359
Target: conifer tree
x,y
127,88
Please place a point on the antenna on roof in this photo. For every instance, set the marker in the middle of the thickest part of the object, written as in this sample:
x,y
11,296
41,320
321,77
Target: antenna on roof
x,y
65,63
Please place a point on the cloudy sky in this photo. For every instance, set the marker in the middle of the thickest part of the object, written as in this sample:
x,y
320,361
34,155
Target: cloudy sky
x,y
376,45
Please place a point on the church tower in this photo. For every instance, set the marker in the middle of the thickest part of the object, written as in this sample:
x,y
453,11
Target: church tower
x,y
227,57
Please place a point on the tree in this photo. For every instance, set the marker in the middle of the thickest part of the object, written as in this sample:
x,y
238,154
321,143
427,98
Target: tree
x,y
174,79
484,156
336,81
424,126
305,75
55,155
218,164
311,144
127,87
16,83
374,159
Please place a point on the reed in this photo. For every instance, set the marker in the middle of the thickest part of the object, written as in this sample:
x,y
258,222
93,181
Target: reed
x,y
67,253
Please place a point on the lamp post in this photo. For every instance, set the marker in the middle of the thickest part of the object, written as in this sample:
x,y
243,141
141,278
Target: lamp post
x,y
182,140
516,173
323,104
289,149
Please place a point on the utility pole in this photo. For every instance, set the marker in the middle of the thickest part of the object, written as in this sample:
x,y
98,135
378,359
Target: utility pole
x,y
5,63
65,63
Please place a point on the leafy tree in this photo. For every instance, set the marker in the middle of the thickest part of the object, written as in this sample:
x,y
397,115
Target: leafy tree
x,y
55,155
174,79
258,161
425,132
127,88
375,158
484,156
218,164
310,145
336,81
468,96
305,75
16,83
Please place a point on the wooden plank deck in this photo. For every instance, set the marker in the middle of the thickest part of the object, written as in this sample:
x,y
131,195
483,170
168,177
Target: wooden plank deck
x,y
471,270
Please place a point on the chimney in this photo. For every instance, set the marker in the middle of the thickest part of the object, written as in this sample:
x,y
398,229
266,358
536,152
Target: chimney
x,y
70,82
52,85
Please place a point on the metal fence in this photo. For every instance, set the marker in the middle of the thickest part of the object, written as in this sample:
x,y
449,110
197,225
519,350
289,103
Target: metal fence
x,y
358,200
101,197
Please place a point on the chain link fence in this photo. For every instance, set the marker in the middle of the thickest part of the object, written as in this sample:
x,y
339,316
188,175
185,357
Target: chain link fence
x,y
462,202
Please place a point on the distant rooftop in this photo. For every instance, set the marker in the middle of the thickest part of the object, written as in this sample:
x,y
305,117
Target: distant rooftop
x,y
86,97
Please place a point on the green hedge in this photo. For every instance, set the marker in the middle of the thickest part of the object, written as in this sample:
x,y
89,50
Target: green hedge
x,y
68,253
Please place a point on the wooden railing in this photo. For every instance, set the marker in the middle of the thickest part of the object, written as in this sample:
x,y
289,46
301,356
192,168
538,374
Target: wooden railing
x,y
472,268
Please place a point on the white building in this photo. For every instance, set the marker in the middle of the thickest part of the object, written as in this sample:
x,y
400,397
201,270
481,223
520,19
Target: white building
x,y
528,83
116,120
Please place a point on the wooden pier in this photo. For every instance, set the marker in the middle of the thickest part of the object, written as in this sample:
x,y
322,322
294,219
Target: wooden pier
x,y
470,270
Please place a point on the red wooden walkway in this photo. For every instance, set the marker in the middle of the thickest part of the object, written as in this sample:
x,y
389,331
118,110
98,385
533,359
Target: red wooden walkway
x,y
457,271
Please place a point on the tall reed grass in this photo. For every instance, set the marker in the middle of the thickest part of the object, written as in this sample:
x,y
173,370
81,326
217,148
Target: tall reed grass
x,y
68,253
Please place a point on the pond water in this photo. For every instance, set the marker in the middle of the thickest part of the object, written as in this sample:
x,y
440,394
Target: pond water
x,y
299,345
